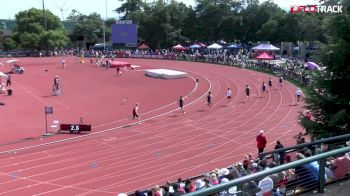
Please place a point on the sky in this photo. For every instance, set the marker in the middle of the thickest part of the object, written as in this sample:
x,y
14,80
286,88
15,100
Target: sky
x,y
62,8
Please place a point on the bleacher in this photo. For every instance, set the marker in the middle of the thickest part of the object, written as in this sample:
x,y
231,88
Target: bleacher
x,y
304,164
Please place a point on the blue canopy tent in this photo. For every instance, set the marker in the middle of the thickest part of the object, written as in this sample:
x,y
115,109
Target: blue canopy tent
x,y
234,46
195,46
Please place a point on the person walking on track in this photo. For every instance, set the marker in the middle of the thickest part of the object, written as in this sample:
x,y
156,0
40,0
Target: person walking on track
x,y
181,104
261,141
135,113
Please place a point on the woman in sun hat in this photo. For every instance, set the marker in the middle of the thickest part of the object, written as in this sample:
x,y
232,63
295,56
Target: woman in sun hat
x,y
200,184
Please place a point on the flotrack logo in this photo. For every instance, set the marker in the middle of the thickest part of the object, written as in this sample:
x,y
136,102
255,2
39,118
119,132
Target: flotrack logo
x,y
316,8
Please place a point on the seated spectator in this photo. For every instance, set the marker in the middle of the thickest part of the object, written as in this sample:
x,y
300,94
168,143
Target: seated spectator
x,y
177,190
139,193
157,191
341,166
200,184
251,188
189,186
266,186
213,180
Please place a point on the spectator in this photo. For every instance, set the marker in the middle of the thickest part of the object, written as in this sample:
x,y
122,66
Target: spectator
x,y
261,142
157,191
281,155
251,188
189,186
177,190
266,186
200,184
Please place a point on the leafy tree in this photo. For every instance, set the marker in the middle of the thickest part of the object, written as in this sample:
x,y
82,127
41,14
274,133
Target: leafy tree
x,y
330,102
30,29
129,7
89,27
9,44
74,16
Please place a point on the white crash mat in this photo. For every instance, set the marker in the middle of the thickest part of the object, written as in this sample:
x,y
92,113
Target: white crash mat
x,y
165,73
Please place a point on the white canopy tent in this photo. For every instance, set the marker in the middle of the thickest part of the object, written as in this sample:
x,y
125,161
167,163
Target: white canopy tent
x,y
266,47
214,46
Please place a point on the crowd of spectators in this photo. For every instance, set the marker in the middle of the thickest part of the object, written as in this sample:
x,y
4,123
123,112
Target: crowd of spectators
x,y
278,184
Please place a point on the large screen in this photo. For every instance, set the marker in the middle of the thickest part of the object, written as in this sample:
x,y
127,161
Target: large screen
x,y
124,34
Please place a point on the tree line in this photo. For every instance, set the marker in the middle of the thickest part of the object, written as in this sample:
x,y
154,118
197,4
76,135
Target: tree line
x,y
163,25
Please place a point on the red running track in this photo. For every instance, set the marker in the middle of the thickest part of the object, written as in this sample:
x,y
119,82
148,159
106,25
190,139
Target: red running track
x,y
167,145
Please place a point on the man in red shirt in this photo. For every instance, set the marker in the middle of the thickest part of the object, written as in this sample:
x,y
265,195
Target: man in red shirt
x,y
261,141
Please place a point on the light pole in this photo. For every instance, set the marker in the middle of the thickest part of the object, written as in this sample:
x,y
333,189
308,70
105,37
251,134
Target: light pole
x,y
104,28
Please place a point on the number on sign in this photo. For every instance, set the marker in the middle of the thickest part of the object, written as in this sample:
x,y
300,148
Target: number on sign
x,y
74,127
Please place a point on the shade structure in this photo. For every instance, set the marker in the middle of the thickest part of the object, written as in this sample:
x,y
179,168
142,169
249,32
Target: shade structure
x,y
234,46
215,46
266,47
312,66
264,56
195,46
115,64
179,47
143,46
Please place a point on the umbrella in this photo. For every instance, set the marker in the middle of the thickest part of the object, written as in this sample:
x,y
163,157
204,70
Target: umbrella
x,y
312,66
12,60
2,74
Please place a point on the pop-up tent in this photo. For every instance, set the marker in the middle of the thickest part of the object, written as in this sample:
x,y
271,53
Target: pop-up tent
x,y
266,47
215,46
143,46
179,47
264,56
195,46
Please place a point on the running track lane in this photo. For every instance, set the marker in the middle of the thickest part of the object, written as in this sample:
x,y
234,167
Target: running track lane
x,y
161,149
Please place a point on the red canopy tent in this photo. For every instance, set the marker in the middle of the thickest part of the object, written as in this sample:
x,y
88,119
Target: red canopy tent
x,y
264,56
179,47
143,46
120,64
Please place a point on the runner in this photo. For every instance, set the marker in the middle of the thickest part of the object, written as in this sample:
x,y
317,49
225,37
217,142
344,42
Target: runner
x,y
247,91
270,83
281,81
263,88
56,86
209,100
298,94
181,104
229,95
135,113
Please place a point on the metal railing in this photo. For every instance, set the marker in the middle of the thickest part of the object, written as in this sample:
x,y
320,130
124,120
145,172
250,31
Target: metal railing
x,y
321,158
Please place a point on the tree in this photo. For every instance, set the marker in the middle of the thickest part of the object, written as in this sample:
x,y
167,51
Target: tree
x,y
30,29
89,27
330,101
129,7
9,44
